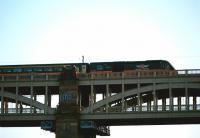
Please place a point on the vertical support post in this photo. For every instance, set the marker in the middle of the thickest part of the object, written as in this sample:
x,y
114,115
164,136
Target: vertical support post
x,y
186,97
16,98
16,94
49,99
155,99
6,105
164,104
31,106
94,96
107,95
155,102
133,105
179,103
2,100
123,109
123,90
148,105
103,96
35,99
171,99
139,102
46,98
194,103
91,98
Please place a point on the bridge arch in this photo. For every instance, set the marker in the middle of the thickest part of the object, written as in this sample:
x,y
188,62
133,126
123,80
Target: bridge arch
x,y
142,90
27,101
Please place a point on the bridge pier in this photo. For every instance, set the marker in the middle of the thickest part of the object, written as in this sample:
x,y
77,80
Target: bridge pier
x,y
68,111
68,126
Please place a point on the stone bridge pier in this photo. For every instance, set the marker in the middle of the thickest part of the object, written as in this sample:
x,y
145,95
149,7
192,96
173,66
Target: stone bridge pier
x,y
68,113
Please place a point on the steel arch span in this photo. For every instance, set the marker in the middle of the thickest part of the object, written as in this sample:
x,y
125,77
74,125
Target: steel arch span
x,y
27,101
139,95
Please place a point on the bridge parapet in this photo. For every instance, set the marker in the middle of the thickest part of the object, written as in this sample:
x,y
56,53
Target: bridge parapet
x,y
98,75
30,77
139,74
136,109
28,111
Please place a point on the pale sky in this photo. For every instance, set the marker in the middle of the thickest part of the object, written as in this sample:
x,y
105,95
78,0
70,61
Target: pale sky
x,y
61,31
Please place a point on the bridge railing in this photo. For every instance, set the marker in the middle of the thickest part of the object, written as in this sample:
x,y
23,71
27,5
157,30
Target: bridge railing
x,y
30,76
158,108
98,75
138,74
23,111
189,72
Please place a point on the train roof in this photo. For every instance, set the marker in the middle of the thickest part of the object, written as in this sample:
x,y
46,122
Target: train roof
x,y
132,61
137,62
62,64
49,64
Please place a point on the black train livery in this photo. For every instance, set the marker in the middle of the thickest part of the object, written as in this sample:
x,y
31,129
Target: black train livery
x,y
131,65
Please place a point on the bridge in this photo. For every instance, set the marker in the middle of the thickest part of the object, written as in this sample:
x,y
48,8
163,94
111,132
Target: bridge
x,y
94,101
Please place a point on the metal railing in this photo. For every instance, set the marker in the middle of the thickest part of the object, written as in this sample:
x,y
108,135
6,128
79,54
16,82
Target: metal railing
x,y
22,111
30,77
138,74
158,108
99,75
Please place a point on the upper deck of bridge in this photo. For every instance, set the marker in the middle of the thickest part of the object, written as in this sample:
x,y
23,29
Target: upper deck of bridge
x,y
135,74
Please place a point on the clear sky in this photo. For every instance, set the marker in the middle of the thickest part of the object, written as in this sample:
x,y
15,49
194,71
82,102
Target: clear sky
x,y
61,31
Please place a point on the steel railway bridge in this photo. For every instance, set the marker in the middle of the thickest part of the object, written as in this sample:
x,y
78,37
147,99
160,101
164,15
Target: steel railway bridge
x,y
101,100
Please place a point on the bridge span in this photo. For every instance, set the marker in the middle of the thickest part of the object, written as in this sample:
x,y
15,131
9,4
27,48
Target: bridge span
x,y
101,100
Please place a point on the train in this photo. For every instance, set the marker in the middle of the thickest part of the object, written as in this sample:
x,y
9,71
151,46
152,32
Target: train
x,y
117,66
122,66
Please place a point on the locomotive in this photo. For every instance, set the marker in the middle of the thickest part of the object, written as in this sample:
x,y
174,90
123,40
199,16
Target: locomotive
x,y
130,66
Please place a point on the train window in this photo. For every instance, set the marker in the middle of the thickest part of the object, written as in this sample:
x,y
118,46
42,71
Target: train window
x,y
167,66
48,69
37,69
28,69
99,67
164,66
7,70
17,70
58,69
